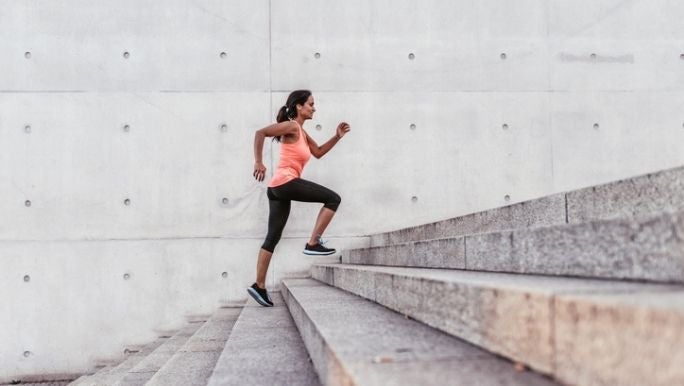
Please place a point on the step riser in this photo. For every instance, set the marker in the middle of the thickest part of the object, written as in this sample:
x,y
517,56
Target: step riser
x,y
646,249
542,212
329,369
264,348
555,333
358,342
629,198
482,316
193,364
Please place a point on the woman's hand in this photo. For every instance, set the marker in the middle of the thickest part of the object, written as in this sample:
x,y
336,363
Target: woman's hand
x,y
259,171
342,129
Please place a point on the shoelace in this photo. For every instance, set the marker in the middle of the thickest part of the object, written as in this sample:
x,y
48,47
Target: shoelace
x,y
322,242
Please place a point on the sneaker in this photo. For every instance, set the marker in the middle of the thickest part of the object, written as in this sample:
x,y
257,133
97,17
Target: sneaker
x,y
260,295
317,249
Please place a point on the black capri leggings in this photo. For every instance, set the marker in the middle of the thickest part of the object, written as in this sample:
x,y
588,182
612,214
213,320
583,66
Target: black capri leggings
x,y
279,199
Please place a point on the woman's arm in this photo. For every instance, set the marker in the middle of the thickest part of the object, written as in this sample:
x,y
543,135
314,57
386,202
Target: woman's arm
x,y
320,151
274,130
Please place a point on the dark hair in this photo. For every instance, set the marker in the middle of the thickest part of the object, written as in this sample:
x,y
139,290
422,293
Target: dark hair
x,y
289,111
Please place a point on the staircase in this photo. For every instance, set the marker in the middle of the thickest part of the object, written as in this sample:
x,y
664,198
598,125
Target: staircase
x,y
579,288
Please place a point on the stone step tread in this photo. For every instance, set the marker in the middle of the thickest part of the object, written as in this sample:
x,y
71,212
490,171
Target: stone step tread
x,y
627,198
142,372
355,341
581,331
195,361
648,248
264,348
109,374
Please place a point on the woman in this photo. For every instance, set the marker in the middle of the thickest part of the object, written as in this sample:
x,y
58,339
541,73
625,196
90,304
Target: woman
x,y
287,185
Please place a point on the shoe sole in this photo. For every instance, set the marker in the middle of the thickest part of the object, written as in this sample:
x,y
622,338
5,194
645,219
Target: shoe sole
x,y
258,297
314,253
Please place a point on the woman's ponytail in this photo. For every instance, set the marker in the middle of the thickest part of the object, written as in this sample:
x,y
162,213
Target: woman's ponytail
x,y
283,114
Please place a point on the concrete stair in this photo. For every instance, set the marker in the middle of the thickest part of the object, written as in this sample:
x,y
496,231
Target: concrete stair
x,y
629,198
185,358
580,331
264,349
645,248
584,286
353,341
578,288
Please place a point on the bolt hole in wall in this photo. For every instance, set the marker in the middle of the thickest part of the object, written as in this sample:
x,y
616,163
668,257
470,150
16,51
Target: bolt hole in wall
x,y
225,201
27,278
126,276
596,126
503,56
27,129
223,55
224,275
127,202
414,199
412,126
592,56
126,128
319,127
27,203
27,55
317,55
504,126
126,55
224,127
507,198
411,56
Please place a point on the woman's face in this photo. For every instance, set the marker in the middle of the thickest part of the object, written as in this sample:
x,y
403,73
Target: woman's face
x,y
307,109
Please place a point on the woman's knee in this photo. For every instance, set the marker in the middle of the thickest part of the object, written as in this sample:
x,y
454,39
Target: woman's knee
x,y
334,202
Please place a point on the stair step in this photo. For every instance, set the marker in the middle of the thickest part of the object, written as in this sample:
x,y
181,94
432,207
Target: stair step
x,y
628,198
264,348
111,374
648,248
149,365
193,363
353,341
580,331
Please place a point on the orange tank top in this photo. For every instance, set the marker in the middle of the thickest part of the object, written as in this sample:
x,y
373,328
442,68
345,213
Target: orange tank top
x,y
293,157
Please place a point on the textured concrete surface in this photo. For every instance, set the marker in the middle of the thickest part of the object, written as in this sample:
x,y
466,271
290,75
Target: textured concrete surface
x,y
642,248
355,341
112,374
195,361
539,212
647,248
264,348
630,339
511,315
642,195
146,368
440,253
633,197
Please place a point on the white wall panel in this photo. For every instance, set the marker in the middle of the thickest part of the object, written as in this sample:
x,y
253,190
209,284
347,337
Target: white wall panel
x,y
637,133
175,164
176,45
365,46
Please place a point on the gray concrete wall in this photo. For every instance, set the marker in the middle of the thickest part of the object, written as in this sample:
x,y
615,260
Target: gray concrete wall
x,y
455,107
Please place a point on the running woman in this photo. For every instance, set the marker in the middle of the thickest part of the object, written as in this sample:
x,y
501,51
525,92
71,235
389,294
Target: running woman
x,y
287,185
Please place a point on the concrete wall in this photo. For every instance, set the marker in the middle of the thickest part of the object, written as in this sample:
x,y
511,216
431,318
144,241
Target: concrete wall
x,y
455,107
